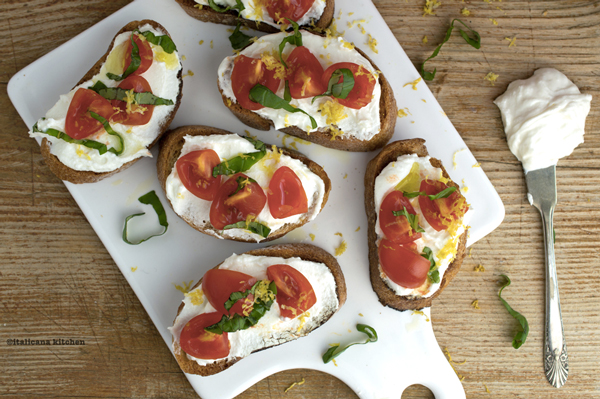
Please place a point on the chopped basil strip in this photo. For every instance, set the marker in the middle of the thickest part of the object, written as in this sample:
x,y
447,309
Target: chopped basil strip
x,y
243,162
236,322
523,331
163,41
242,182
472,42
434,274
116,93
148,199
102,149
98,86
287,96
109,130
264,96
445,193
253,227
333,352
238,39
294,39
339,90
133,66
236,296
413,220
239,6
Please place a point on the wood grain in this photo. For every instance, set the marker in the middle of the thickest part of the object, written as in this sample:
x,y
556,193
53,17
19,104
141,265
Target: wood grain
x,y
57,280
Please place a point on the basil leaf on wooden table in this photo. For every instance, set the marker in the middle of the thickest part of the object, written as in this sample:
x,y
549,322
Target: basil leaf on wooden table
x,y
523,330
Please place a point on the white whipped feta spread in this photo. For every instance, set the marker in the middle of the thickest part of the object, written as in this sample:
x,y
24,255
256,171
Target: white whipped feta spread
x,y
362,123
228,146
385,183
162,77
256,10
544,118
272,329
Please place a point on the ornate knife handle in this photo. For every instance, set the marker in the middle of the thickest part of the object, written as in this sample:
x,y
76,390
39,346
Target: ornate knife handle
x,y
556,361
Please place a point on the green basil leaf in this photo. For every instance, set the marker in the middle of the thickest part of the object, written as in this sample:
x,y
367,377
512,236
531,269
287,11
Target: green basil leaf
x,y
333,352
238,39
148,199
239,6
287,96
295,39
254,227
445,193
523,331
413,194
242,182
264,96
116,93
133,66
472,42
258,145
434,274
163,41
241,163
338,90
236,296
110,131
413,220
102,149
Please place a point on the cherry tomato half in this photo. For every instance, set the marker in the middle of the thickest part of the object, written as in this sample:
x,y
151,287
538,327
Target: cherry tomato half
x,y
138,114
305,73
145,51
228,208
219,284
291,9
286,195
79,124
396,228
201,344
248,72
364,82
440,213
195,171
402,264
295,294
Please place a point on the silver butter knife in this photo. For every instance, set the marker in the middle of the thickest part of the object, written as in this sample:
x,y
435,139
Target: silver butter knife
x,y
541,188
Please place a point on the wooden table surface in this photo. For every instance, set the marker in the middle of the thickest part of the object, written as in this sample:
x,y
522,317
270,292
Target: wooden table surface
x,y
58,281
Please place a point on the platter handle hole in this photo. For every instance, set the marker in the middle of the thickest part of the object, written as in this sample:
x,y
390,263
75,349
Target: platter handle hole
x,y
417,391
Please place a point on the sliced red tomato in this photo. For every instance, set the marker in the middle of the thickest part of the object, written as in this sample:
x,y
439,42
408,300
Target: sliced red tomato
x,y
440,213
138,114
364,82
396,228
291,9
79,124
295,294
145,51
305,72
195,171
402,264
286,194
201,344
219,284
229,208
247,73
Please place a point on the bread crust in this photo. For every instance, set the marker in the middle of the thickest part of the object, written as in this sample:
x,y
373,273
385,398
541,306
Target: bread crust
x,y
170,150
207,14
304,251
387,115
386,296
64,172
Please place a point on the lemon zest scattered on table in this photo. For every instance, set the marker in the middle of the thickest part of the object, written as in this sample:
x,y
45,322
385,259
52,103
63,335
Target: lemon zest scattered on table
x,y
475,304
425,39
295,384
493,21
453,363
491,77
512,42
478,268
430,6
465,11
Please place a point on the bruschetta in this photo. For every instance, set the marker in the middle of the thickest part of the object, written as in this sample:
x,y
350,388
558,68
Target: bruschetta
x,y
283,293
320,89
118,110
417,227
238,188
263,15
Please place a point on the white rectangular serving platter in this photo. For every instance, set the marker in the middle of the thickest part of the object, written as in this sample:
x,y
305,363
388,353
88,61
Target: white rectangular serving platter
x,y
407,352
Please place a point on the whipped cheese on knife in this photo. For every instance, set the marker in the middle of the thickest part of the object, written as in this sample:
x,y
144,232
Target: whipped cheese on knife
x,y
160,77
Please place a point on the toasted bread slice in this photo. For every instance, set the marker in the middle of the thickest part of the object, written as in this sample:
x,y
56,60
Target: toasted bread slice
x,y
170,150
207,14
388,113
303,251
386,296
64,172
